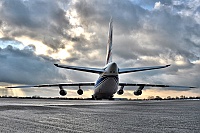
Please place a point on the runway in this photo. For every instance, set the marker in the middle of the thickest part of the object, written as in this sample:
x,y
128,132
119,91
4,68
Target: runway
x,y
81,116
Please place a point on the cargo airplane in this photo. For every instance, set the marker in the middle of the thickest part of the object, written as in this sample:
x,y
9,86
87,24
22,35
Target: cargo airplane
x,y
108,82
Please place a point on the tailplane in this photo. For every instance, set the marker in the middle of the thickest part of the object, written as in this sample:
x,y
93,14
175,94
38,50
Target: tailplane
x,y
109,45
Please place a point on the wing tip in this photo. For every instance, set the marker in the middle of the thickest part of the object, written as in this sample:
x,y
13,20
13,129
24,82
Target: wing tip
x,y
56,65
8,87
193,87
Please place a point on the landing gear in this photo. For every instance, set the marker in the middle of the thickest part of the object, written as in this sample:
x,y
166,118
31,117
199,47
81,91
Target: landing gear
x,y
111,98
96,98
93,98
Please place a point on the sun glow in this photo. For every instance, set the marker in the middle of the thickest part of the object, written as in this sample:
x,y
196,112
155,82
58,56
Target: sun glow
x,y
61,54
11,92
41,48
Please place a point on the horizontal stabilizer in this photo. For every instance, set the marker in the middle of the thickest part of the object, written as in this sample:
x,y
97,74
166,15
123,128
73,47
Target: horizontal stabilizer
x,y
128,70
85,69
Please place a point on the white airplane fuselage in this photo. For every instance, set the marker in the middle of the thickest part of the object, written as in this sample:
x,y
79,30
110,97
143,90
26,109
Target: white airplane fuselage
x,y
107,84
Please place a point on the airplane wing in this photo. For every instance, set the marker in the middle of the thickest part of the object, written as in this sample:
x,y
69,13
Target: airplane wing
x,y
155,85
85,69
128,70
141,87
53,85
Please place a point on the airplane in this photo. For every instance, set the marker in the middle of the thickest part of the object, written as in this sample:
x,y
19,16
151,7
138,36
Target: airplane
x,y
108,82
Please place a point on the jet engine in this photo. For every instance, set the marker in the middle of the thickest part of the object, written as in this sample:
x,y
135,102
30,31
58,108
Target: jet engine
x,y
63,92
120,92
80,91
138,91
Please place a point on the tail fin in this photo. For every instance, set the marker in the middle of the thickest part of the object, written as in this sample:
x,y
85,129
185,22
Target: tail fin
x,y
109,45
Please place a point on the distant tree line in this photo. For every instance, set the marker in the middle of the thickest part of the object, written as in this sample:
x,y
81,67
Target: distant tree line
x,y
65,98
38,97
171,98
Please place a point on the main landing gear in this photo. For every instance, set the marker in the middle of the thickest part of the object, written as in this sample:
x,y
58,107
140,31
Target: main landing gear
x,y
96,98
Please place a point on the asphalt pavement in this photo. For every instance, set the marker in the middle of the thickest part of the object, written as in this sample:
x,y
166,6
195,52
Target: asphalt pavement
x,y
87,116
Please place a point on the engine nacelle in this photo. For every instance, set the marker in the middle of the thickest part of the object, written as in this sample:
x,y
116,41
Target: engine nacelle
x,y
63,92
120,92
80,91
137,92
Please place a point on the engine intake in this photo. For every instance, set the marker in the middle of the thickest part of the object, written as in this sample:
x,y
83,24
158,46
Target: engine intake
x,y
80,91
63,92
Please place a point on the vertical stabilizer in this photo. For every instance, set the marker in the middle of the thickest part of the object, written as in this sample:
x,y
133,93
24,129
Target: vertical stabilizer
x,y
109,45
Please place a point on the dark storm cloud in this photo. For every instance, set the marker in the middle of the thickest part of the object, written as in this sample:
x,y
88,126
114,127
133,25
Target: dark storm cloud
x,y
39,19
123,13
24,67
126,19
165,30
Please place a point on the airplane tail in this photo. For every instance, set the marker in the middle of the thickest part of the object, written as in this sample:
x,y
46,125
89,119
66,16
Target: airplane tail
x,y
109,45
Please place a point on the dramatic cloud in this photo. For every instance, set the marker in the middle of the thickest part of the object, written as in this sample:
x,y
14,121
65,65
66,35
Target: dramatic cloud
x,y
24,67
38,19
36,34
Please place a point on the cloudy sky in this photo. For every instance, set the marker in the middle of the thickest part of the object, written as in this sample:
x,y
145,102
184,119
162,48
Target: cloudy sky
x,y
36,34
